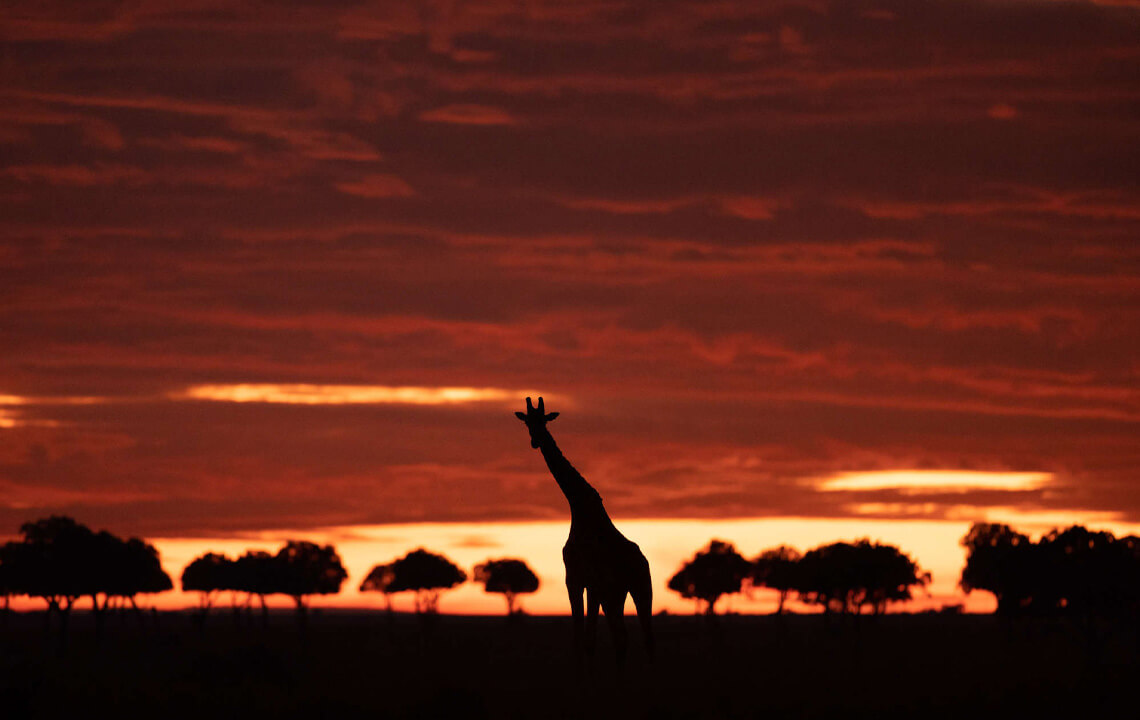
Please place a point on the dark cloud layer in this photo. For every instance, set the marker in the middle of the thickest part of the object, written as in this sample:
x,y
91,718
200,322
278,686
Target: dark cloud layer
x,y
750,244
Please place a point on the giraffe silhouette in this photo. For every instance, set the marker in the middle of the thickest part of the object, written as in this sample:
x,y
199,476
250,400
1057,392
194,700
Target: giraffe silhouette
x,y
600,561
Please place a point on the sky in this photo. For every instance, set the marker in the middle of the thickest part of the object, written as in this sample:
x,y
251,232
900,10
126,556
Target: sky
x,y
291,267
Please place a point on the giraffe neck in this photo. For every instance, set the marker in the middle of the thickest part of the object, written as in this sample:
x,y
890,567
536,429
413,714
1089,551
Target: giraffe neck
x,y
585,502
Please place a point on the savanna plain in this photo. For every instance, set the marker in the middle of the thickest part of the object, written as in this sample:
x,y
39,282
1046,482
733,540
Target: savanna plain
x,y
369,664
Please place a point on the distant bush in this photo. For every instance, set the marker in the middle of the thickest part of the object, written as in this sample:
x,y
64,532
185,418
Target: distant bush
x,y
509,577
716,571
1073,571
60,560
847,577
425,573
776,569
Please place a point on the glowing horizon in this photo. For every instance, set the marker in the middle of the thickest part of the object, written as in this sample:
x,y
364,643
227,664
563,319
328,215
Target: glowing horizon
x,y
916,481
933,544
310,394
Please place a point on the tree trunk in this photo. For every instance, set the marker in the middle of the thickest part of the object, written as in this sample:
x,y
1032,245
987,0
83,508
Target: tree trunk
x,y
100,614
52,606
138,612
64,616
302,611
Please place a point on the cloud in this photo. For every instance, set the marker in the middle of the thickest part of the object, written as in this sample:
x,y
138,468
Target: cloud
x,y
924,481
377,186
301,394
1002,111
757,244
468,114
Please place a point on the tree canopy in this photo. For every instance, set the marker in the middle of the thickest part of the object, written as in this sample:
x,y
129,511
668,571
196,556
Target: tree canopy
x,y
1001,561
207,575
425,573
847,577
713,572
776,569
60,560
508,576
305,568
1074,571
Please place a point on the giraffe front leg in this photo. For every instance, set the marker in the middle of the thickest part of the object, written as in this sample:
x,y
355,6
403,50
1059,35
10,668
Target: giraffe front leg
x,y
593,602
575,592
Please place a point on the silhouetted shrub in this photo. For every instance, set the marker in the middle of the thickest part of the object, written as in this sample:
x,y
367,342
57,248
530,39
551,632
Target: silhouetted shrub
x,y
61,560
207,575
380,579
8,586
776,569
304,568
1085,572
257,574
422,572
713,572
124,569
509,577
1003,562
847,577
54,562
1073,571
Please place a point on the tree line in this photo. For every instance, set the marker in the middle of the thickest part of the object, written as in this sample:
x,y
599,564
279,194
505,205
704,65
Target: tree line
x,y
839,577
1074,571
60,561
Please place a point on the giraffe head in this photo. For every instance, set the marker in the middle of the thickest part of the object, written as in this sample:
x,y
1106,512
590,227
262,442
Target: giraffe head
x,y
535,419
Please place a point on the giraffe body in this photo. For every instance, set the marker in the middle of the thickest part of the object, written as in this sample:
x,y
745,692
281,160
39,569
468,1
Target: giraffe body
x,y
601,563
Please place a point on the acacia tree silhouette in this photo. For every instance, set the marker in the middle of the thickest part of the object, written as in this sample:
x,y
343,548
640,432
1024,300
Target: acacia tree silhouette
x,y
380,579
53,563
8,586
304,569
255,573
102,574
846,577
509,577
1076,572
1001,561
425,573
61,560
138,572
206,575
599,560
715,571
776,569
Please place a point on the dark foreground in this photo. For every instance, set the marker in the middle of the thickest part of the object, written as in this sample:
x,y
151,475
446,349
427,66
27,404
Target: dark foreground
x,y
351,665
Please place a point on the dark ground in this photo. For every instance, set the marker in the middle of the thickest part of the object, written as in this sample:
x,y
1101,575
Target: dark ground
x,y
359,664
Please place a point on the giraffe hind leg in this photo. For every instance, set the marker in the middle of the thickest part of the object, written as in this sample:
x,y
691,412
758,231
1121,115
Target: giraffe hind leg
x,y
614,608
642,594
591,638
575,593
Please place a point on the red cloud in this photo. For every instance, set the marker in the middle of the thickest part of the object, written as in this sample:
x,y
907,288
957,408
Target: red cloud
x,y
377,186
466,114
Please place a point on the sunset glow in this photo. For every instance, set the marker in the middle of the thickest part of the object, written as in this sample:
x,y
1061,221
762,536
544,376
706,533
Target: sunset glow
x,y
789,272
919,481
935,545
301,394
